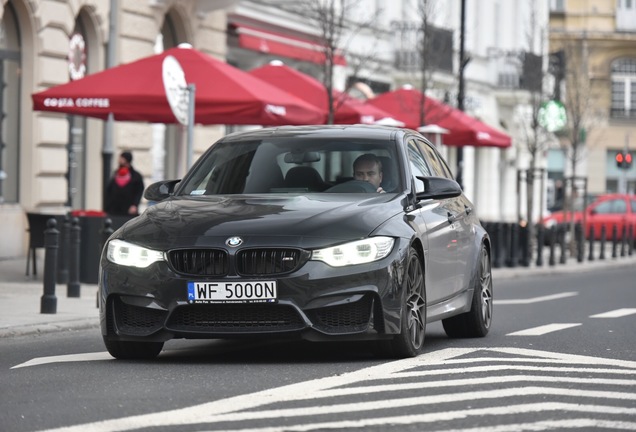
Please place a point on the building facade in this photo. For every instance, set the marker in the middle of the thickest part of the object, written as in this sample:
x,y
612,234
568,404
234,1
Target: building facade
x,y
55,163
598,42
52,163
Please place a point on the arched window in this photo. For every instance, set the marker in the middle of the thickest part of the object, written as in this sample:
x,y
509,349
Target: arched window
x,y
624,88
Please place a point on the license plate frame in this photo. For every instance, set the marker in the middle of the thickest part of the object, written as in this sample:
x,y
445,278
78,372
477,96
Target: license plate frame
x,y
248,291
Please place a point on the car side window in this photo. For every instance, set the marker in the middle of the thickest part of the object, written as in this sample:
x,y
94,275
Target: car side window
x,y
438,167
615,206
418,165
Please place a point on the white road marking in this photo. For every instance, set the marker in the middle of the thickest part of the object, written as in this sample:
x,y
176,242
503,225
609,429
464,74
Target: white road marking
x,y
534,299
544,329
254,406
618,313
65,358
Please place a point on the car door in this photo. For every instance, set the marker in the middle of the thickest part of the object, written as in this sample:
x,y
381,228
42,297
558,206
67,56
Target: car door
x,y
607,213
434,218
460,210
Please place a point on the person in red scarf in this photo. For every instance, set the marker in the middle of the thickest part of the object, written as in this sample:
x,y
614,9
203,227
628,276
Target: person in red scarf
x,y
125,189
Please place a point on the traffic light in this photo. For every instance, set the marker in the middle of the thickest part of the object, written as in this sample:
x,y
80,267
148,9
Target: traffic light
x,y
624,160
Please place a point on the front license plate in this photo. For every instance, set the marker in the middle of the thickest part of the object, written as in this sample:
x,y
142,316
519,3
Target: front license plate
x,y
232,292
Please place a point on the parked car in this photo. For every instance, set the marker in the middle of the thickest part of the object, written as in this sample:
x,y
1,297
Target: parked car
x,y
269,235
608,211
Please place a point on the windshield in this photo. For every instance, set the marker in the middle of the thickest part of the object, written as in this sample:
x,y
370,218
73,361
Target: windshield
x,y
291,165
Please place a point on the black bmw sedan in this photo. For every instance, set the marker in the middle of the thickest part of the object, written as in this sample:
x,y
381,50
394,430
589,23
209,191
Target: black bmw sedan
x,y
315,232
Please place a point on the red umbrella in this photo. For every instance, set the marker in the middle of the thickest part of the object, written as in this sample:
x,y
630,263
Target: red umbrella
x,y
135,92
348,109
404,105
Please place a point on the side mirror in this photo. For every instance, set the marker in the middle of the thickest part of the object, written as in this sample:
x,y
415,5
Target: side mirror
x,y
161,190
438,188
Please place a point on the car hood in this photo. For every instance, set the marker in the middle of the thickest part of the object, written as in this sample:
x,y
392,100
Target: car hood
x,y
303,221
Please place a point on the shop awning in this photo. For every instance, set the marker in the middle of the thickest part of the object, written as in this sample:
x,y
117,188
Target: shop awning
x,y
135,92
463,130
279,44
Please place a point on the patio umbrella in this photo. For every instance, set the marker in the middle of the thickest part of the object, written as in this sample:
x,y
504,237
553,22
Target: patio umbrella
x,y
135,92
404,105
348,110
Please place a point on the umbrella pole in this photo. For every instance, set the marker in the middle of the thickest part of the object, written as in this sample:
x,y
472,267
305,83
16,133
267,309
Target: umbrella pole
x,y
190,146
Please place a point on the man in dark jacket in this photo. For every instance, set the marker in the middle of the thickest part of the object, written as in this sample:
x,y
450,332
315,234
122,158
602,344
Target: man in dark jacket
x,y
125,189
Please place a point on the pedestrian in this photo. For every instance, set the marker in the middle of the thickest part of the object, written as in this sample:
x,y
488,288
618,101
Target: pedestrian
x,y
125,189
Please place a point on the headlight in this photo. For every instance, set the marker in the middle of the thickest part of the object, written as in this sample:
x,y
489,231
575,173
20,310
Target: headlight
x,y
130,255
357,252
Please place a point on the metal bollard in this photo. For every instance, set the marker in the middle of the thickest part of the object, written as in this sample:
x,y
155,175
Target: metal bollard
x,y
525,246
630,244
614,240
603,239
553,231
73,286
540,240
107,230
62,257
623,241
580,243
513,258
500,245
590,256
48,301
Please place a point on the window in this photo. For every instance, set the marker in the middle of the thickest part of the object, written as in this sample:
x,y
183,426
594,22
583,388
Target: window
x,y
624,88
626,15
616,206
418,165
557,5
438,167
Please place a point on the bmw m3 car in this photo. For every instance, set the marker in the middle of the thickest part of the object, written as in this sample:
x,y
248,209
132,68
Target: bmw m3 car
x,y
322,233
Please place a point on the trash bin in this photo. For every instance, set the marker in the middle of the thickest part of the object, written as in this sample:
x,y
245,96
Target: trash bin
x,y
90,223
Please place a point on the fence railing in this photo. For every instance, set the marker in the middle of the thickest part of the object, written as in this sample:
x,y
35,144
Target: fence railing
x,y
513,247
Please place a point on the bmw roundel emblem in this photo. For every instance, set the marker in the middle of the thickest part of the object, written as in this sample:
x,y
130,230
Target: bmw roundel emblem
x,y
234,241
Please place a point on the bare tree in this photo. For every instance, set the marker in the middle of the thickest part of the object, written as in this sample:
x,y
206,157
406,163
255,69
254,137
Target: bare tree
x,y
338,22
581,115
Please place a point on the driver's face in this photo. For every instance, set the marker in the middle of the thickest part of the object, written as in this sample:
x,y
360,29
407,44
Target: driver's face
x,y
368,171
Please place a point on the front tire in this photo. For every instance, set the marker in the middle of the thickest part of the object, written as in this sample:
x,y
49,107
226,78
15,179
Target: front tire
x,y
126,350
410,341
477,321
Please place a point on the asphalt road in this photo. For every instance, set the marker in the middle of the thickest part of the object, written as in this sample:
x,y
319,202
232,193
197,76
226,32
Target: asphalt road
x,y
561,354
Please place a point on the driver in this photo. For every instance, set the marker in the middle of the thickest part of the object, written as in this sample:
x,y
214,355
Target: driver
x,y
368,167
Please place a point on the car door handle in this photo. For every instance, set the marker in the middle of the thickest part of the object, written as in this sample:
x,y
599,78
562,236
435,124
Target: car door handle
x,y
468,210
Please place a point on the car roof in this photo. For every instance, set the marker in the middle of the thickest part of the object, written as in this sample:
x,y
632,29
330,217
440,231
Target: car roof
x,y
371,132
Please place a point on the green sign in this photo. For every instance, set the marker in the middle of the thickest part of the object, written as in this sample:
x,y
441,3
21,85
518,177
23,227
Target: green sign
x,y
552,116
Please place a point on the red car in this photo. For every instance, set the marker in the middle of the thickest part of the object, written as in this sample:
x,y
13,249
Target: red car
x,y
606,211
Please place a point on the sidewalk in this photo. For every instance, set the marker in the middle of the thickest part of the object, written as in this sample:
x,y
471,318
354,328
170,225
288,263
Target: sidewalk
x,y
20,295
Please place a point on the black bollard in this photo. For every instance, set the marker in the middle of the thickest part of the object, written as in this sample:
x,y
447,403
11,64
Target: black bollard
x,y
107,230
540,240
525,246
513,258
62,256
614,240
563,247
553,231
623,240
580,243
48,301
603,238
630,239
73,286
590,255
500,244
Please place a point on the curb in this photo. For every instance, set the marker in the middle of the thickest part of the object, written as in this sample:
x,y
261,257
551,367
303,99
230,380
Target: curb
x,y
54,327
